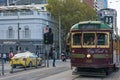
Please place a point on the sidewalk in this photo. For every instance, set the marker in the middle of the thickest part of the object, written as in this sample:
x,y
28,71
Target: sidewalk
x,y
6,67
59,63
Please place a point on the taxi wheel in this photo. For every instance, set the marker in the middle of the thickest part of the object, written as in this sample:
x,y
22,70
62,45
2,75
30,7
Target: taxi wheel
x,y
30,64
13,66
40,62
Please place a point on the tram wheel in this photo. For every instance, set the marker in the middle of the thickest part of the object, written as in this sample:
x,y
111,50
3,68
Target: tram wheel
x,y
14,66
115,68
106,70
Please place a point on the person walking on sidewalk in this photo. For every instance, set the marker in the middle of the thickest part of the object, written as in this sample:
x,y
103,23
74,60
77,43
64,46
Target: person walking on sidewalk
x,y
54,57
4,57
10,55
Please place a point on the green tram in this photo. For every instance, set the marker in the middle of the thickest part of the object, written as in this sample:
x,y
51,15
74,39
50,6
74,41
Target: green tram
x,y
93,47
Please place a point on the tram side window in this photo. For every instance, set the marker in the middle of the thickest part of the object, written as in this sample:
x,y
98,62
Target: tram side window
x,y
77,39
89,38
102,39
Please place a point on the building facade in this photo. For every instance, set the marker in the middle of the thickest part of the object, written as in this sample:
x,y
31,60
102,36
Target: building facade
x,y
89,2
23,26
100,4
21,2
96,4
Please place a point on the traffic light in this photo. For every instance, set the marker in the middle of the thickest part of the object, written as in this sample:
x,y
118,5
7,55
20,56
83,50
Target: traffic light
x,y
48,38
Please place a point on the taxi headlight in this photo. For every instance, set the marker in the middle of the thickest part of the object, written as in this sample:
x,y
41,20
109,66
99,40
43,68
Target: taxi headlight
x,y
88,55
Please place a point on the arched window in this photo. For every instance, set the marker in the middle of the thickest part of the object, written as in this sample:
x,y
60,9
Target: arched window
x,y
26,49
27,32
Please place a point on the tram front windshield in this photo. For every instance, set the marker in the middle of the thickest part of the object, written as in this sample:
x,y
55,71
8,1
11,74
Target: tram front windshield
x,y
90,39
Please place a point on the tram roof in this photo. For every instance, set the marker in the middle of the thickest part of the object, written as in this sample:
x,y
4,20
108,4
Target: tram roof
x,y
78,26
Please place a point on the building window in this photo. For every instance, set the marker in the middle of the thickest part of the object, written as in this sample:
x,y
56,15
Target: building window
x,y
10,32
11,49
26,12
42,8
27,32
9,13
0,13
26,49
38,13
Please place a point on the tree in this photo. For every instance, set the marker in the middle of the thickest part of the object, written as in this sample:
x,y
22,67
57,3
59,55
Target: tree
x,y
71,12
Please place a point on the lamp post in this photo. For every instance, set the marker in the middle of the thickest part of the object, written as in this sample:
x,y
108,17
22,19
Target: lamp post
x,y
7,2
59,36
18,33
2,59
18,38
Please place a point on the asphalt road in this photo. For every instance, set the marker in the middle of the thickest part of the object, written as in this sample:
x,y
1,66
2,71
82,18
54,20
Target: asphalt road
x,y
62,71
67,75
36,73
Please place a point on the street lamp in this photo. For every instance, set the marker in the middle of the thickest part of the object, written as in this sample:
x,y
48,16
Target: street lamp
x,y
59,36
18,37
18,33
7,2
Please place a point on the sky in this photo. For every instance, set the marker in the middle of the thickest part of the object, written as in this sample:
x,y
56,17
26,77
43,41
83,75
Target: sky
x,y
115,4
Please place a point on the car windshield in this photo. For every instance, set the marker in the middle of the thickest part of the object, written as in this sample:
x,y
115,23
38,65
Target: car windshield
x,y
20,55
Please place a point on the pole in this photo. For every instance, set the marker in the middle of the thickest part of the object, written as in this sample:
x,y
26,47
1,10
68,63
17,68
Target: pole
x,y
2,61
2,65
7,2
18,38
18,33
59,37
47,54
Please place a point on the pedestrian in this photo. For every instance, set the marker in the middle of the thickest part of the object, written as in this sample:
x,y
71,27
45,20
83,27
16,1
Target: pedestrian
x,y
10,55
0,56
37,53
54,57
4,57
51,53
63,56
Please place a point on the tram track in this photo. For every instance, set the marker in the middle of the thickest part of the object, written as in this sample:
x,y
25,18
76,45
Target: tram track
x,y
111,76
75,77
35,74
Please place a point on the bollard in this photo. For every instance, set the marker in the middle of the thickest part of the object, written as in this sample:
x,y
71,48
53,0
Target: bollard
x,y
25,64
2,67
44,60
12,66
36,62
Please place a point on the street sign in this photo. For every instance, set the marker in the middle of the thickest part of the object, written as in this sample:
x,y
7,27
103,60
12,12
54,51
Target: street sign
x,y
46,29
108,19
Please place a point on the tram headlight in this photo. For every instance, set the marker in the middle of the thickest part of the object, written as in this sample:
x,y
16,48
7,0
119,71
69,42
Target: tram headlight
x,y
88,55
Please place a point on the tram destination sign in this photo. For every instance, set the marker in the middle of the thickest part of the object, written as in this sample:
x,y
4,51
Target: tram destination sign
x,y
89,26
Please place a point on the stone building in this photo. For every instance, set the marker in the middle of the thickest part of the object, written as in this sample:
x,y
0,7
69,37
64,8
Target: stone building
x,y
23,27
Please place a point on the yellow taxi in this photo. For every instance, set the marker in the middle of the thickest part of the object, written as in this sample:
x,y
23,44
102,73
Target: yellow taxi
x,y
26,59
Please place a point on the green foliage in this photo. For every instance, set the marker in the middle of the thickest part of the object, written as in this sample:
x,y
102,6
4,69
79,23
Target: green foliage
x,y
71,12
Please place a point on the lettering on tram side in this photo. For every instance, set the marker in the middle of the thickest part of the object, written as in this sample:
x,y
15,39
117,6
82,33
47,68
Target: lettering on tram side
x,y
97,51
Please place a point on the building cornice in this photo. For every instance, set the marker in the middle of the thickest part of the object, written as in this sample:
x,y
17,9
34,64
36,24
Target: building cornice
x,y
23,7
